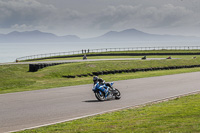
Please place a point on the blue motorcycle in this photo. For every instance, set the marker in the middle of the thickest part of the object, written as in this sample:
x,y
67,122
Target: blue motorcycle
x,y
110,93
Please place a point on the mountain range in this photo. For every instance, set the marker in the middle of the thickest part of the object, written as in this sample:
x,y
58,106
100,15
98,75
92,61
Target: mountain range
x,y
35,36
128,35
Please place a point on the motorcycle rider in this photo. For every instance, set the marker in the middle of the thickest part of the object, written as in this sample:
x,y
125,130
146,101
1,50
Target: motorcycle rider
x,y
85,57
103,86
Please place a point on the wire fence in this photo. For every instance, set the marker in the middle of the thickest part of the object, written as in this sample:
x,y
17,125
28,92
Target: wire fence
x,y
85,51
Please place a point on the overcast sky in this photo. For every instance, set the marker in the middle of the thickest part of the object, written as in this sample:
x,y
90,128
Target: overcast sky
x,y
89,18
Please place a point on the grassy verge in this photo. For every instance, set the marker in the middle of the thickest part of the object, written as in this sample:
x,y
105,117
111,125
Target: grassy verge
x,y
15,78
179,115
89,67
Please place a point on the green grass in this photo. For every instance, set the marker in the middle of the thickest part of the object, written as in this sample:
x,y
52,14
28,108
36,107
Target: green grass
x,y
180,115
89,67
16,78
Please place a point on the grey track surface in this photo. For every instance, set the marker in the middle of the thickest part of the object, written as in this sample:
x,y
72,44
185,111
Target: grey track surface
x,y
71,61
35,108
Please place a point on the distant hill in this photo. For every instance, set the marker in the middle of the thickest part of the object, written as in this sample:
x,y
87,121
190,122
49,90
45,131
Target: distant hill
x,y
128,35
136,35
35,36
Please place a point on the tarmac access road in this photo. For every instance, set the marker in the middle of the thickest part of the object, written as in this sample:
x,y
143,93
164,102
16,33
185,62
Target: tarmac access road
x,y
25,110
71,61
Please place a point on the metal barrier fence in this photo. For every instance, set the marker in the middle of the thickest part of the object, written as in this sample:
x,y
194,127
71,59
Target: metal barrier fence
x,y
85,51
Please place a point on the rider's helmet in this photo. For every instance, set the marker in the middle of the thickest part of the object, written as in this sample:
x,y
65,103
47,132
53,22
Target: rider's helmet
x,y
95,79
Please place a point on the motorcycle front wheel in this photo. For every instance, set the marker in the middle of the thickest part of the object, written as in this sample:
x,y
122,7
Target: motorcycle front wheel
x,y
99,96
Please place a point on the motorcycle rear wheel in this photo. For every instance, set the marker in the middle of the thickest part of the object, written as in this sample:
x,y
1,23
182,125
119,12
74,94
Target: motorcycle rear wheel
x,y
118,95
100,97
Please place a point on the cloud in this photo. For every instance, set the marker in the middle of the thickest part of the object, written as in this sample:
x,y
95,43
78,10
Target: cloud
x,y
114,15
23,26
173,16
126,16
22,14
94,17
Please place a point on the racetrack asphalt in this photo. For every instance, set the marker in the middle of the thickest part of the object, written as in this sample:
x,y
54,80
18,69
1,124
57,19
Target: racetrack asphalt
x,y
23,110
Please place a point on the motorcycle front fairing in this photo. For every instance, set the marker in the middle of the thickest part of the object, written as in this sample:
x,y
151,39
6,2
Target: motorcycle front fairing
x,y
96,89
